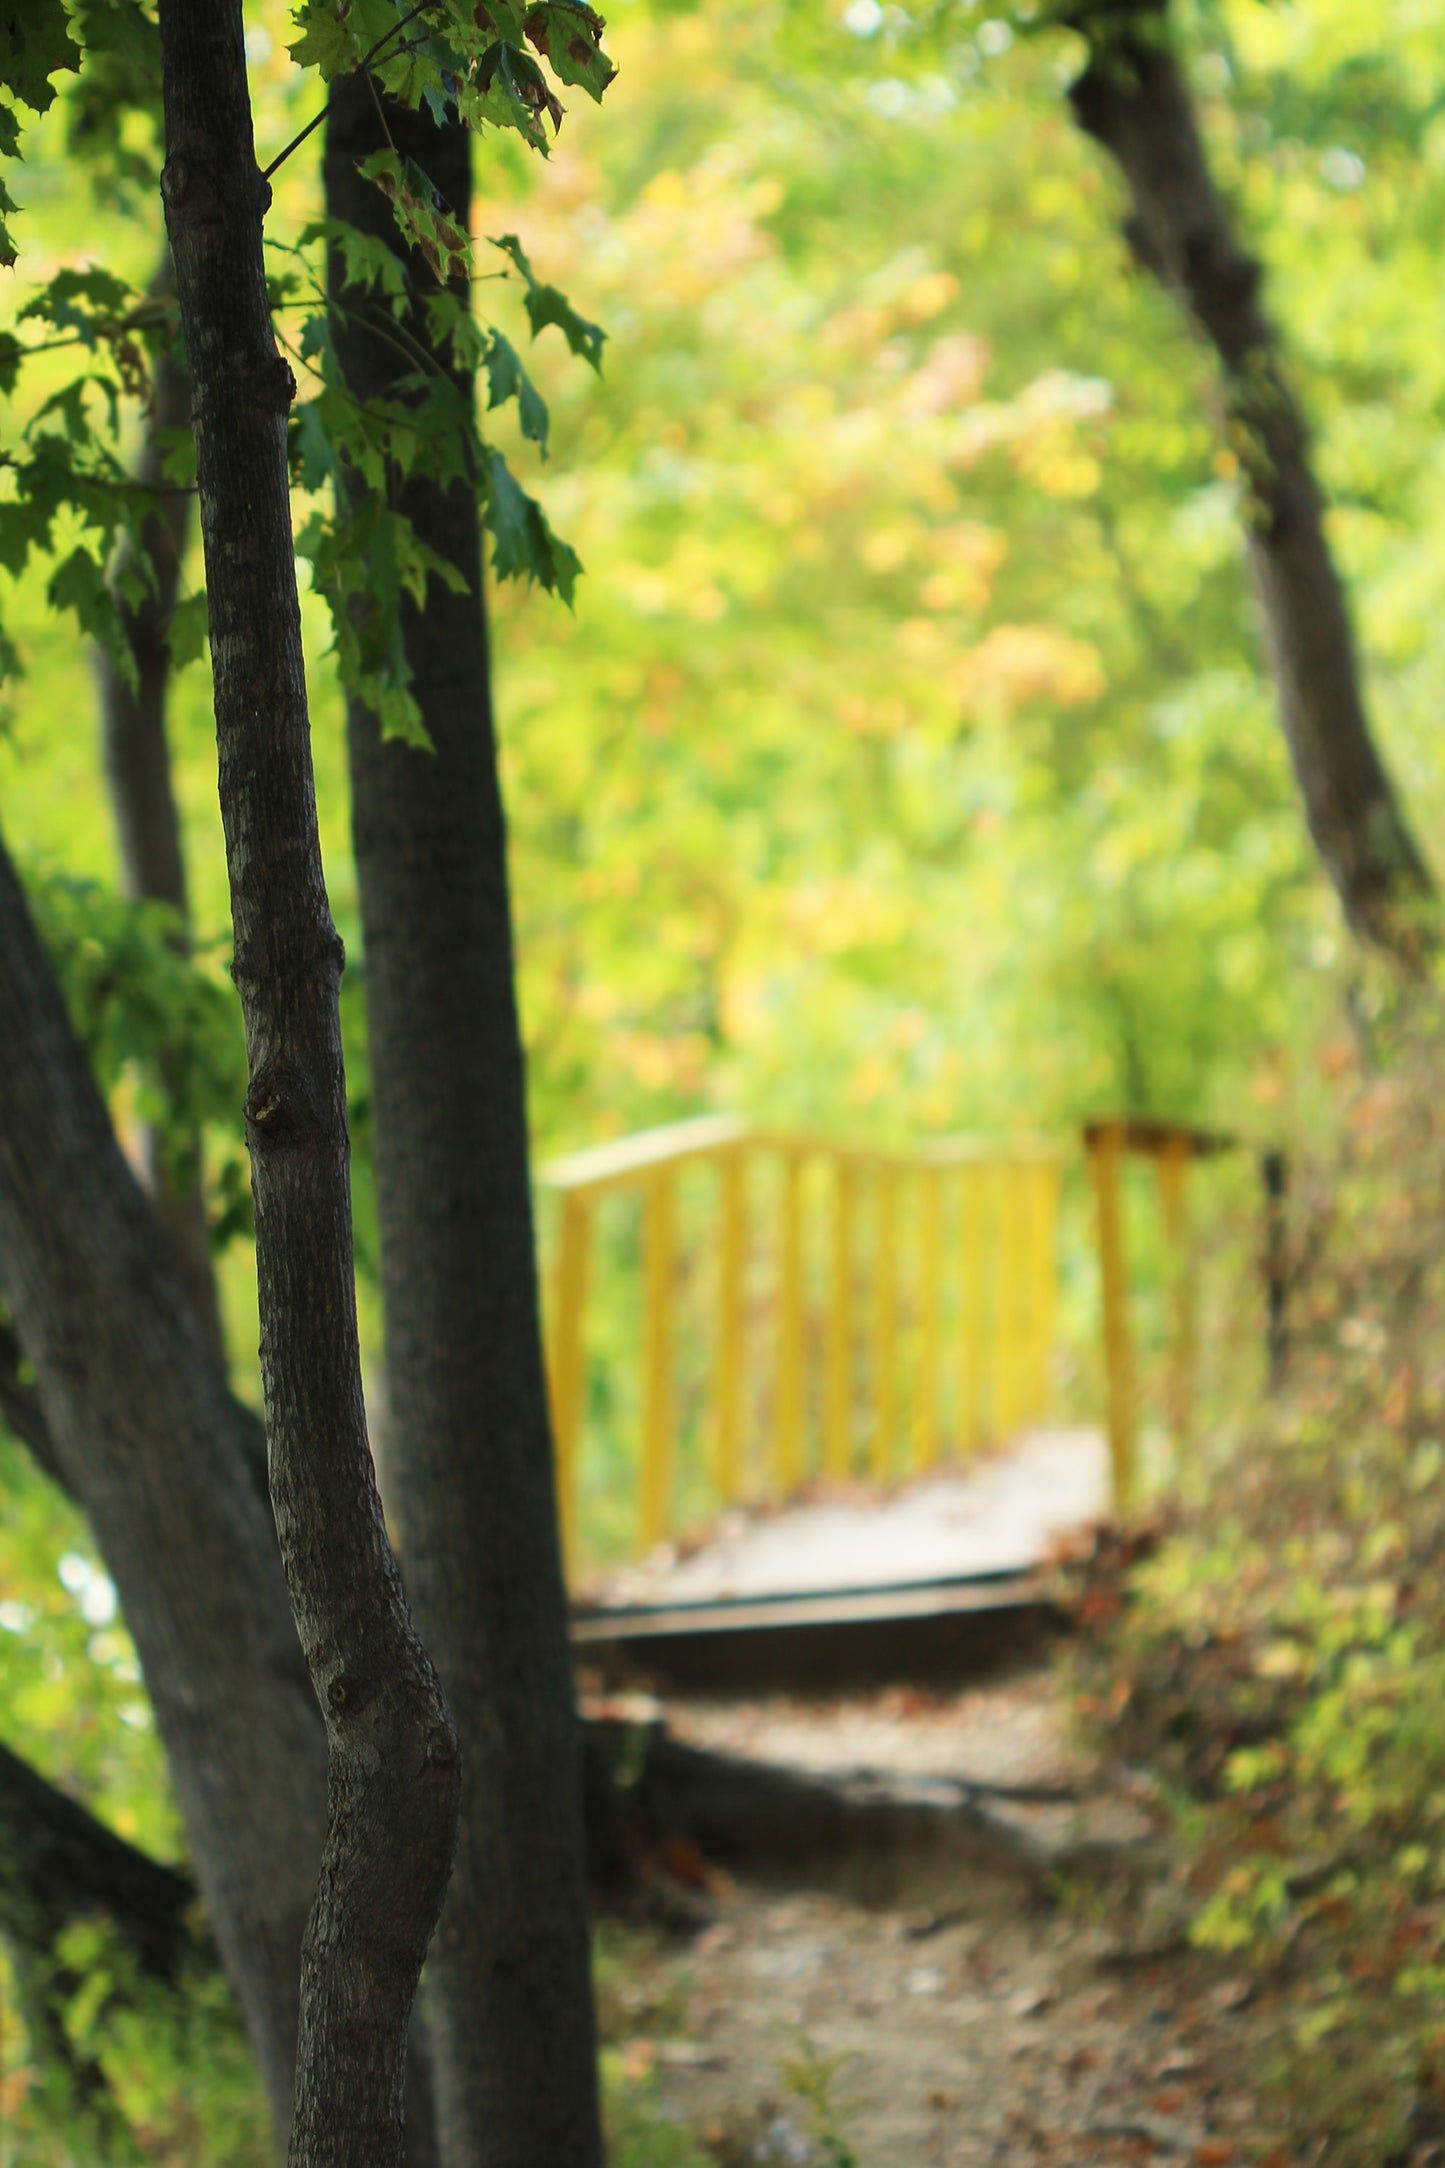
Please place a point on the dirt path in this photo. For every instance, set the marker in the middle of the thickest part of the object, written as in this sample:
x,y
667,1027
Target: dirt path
x,y
1000,1513
993,2025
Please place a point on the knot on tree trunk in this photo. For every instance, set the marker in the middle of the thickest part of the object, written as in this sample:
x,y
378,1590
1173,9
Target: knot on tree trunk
x,y
282,1109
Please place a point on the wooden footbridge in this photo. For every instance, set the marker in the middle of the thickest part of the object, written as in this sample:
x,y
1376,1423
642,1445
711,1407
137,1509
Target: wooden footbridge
x,y
740,1319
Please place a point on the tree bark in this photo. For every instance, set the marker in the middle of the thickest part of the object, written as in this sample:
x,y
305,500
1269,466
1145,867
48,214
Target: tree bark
x,y
137,766
393,1772
469,1446
135,1423
20,1408
1133,99
144,1434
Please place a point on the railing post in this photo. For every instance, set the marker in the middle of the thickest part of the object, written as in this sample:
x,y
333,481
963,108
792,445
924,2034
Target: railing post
x,y
970,1300
1106,1148
1044,1225
659,1272
1008,1338
930,1275
732,1254
1174,1157
885,1321
1275,1169
789,1459
838,1394
568,1363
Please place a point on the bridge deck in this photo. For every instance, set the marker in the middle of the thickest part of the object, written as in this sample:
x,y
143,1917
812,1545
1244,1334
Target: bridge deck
x,y
997,1517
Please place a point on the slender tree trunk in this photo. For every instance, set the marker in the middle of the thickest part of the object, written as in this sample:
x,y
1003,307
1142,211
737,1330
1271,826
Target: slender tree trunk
x,y
141,1428
469,1447
394,1776
1132,98
137,765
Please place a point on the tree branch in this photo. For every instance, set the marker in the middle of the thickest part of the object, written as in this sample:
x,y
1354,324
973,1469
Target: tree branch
x,y
1132,98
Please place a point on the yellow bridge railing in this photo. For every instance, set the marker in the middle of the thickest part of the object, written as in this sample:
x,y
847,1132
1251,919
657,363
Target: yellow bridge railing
x,y
1173,1148
870,1312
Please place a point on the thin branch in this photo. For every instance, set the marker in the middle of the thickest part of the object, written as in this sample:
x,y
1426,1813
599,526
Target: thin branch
x,y
362,65
138,322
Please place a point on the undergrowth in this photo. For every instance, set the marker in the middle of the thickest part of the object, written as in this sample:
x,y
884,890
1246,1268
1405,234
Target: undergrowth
x,y
1277,1659
641,2009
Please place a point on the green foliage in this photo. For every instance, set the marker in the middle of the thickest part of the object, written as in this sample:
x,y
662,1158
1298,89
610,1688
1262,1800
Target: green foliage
x,y
639,2134
68,497
67,483
810,2077
471,62
155,1022
353,458
71,1697
35,43
168,2078
1282,1662
545,305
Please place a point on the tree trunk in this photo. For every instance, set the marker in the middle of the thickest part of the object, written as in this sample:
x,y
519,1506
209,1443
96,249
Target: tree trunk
x,y
137,765
469,1447
394,1777
1133,99
58,1863
145,1436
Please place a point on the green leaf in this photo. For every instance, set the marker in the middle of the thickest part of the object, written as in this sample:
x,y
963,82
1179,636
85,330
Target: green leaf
x,y
524,546
450,323
368,261
78,583
549,305
507,379
421,216
515,93
188,630
568,35
35,43
7,204
88,302
333,39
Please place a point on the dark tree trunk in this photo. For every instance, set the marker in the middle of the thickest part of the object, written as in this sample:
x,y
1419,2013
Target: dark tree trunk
x,y
137,765
141,1429
135,1424
393,1769
469,1444
58,1863
1132,98
20,1407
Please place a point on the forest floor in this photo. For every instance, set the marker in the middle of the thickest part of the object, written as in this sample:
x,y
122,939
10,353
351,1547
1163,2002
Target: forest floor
x,y
980,2015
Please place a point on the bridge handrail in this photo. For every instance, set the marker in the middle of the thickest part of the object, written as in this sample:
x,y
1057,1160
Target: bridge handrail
x,y
1004,1251
622,1162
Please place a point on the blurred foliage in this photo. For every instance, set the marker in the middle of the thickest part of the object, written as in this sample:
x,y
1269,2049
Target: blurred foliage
x,y
161,1028
913,697
168,2075
1280,1662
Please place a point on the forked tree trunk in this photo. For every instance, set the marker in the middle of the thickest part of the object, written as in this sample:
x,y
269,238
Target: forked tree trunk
x,y
1132,98
394,1776
137,766
136,1420
469,1445
129,1414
